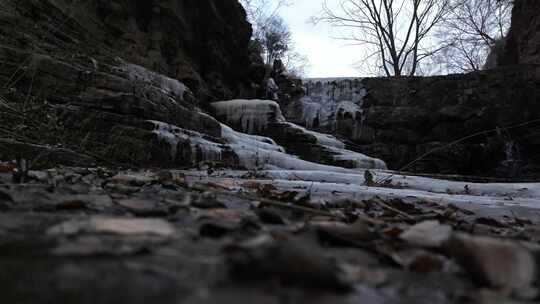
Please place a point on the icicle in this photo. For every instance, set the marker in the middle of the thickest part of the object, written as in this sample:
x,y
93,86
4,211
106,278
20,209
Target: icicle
x,y
251,115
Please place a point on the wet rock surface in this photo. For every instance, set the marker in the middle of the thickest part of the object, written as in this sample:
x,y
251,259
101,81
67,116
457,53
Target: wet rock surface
x,y
83,235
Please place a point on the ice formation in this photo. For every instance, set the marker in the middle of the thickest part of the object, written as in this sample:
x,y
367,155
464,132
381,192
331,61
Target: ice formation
x,y
201,149
327,186
328,98
253,152
252,115
248,141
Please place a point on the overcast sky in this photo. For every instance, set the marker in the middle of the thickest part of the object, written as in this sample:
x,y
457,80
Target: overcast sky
x,y
328,57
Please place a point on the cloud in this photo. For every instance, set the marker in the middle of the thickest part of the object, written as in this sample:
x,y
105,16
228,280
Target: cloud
x,y
328,57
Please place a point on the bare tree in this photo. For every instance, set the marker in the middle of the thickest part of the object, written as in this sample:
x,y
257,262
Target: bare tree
x,y
296,64
394,32
471,31
272,36
261,12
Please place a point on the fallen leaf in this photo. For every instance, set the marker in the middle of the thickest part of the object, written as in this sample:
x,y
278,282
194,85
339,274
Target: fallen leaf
x,y
427,234
7,167
419,260
120,226
227,184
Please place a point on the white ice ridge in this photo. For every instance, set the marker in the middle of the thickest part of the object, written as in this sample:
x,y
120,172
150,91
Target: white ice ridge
x,y
335,186
145,77
252,115
253,152
257,152
249,142
201,149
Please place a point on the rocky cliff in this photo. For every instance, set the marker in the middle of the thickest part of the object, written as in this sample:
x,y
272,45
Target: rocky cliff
x,y
204,44
523,42
127,84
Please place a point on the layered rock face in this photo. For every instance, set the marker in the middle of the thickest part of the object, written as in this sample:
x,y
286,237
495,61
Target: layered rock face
x,y
201,43
523,42
74,80
400,120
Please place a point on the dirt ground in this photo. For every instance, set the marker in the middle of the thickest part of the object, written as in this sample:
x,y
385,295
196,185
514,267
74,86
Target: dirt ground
x,y
79,235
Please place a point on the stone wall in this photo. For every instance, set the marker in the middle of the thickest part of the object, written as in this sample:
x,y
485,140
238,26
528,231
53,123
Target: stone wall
x,y
400,120
405,118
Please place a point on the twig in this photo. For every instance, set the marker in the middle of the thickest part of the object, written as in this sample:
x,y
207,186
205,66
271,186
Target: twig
x,y
266,201
381,203
457,142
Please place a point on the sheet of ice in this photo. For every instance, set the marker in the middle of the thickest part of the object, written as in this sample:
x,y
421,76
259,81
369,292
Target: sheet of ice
x,y
508,190
333,192
252,115
270,160
254,152
396,181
